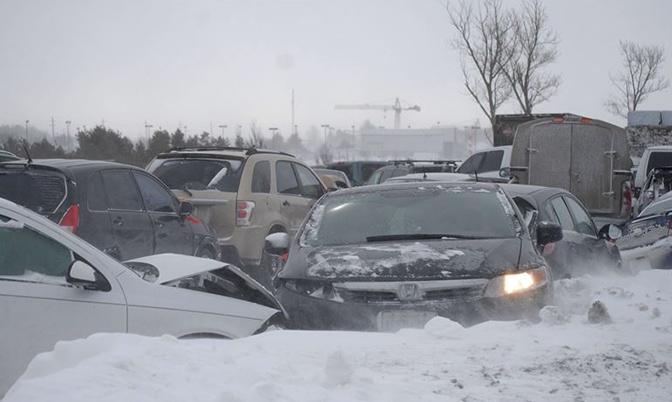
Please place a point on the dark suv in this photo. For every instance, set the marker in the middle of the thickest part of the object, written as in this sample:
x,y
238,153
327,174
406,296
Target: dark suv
x,y
118,208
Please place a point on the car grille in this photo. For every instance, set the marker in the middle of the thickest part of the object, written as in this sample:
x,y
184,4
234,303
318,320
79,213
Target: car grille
x,y
390,292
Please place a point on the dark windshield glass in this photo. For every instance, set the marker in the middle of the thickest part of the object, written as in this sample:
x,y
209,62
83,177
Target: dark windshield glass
x,y
658,159
39,191
458,211
198,174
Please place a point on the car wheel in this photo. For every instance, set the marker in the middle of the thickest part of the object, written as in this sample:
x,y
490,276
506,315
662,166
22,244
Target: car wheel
x,y
206,252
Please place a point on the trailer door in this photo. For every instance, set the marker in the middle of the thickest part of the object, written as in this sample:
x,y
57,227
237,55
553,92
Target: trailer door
x,y
547,155
591,167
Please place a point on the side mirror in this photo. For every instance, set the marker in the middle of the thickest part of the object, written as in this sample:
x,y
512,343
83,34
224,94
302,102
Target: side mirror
x,y
505,172
277,243
84,275
548,232
186,208
610,232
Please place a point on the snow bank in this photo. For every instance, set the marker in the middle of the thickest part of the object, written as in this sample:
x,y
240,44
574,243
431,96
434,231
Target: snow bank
x,y
563,358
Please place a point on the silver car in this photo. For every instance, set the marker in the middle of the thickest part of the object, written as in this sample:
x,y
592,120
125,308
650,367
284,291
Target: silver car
x,y
54,286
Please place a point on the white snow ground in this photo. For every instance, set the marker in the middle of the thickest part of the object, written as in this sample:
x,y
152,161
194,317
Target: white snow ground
x,y
563,358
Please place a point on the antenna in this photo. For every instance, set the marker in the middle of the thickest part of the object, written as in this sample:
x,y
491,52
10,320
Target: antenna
x,y
476,175
30,160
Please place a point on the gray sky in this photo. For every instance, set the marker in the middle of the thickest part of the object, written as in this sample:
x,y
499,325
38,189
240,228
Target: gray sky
x,y
196,63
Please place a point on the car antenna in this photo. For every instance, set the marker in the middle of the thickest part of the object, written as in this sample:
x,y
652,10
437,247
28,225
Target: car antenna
x,y
424,175
476,175
30,160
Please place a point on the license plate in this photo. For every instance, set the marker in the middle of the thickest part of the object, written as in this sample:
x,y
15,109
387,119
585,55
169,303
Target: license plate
x,y
393,321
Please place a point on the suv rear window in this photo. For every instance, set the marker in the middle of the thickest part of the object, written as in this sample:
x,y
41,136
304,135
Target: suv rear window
x,y
657,159
37,190
198,174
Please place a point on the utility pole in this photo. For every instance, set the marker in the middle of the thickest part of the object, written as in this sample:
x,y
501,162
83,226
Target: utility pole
x,y
273,130
223,126
148,131
53,134
325,127
67,135
27,121
293,122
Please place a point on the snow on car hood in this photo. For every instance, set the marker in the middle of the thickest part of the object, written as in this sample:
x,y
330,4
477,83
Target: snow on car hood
x,y
176,266
440,259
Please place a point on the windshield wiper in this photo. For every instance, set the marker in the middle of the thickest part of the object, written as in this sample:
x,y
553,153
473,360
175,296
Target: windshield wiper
x,y
419,236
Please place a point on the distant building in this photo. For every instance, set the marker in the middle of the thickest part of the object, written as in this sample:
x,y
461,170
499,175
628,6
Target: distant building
x,y
440,142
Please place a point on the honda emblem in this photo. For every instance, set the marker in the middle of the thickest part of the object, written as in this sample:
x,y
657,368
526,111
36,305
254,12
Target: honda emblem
x,y
409,291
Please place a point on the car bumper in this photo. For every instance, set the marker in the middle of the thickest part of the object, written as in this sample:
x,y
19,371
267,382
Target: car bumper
x,y
306,312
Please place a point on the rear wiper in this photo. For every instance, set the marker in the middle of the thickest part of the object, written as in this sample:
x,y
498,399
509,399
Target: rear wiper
x,y
418,236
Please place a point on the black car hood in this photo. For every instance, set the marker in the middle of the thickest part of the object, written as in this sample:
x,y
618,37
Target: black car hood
x,y
429,260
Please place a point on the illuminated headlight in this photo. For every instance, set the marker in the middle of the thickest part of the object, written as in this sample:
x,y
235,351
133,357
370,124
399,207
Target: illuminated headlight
x,y
320,290
516,283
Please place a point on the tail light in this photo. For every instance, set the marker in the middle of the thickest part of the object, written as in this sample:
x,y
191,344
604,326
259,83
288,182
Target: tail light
x,y
70,220
244,211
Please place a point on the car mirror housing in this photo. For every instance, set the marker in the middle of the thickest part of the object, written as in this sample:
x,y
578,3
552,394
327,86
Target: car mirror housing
x,y
505,172
186,208
84,275
610,232
277,243
548,232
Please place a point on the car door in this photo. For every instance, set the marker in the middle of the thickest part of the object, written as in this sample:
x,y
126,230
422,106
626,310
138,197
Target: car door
x,y
576,255
172,233
590,249
293,205
131,226
559,255
311,187
38,307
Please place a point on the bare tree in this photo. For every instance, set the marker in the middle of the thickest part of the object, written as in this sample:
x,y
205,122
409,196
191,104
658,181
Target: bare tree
x,y
256,139
640,77
535,47
484,39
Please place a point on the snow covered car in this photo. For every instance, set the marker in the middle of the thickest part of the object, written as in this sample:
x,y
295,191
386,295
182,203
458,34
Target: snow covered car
x,y
54,287
647,239
386,257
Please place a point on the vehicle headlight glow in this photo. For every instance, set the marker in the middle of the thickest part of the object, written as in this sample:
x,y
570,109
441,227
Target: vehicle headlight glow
x,y
518,282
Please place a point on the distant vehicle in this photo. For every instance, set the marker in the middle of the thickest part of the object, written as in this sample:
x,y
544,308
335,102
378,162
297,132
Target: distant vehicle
x,y
120,209
358,172
583,249
387,257
55,287
589,158
431,176
658,183
245,194
488,164
337,177
7,156
648,237
652,157
399,168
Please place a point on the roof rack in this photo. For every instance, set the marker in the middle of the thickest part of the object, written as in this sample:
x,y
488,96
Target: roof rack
x,y
433,161
248,151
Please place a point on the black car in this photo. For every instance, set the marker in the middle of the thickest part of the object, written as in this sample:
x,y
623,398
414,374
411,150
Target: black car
x,y
118,208
382,258
583,249
406,167
7,156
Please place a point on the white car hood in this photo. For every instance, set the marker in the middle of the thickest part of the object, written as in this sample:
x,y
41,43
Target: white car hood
x,y
176,266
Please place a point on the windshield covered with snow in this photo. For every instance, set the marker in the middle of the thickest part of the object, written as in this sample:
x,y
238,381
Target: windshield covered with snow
x,y
413,213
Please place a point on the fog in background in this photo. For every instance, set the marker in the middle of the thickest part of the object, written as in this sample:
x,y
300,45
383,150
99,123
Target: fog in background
x,y
202,64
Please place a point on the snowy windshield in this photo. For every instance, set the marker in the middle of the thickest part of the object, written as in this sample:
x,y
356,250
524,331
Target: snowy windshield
x,y
459,212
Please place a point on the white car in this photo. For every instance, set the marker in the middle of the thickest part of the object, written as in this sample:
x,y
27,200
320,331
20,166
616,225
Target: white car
x,y
54,287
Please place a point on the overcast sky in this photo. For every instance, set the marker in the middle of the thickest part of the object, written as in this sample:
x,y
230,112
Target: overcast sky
x,y
209,63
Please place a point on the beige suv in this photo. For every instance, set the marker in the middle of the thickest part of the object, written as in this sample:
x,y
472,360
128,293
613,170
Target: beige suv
x,y
243,194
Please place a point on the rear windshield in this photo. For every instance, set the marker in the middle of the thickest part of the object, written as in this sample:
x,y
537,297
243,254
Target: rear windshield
x,y
658,159
456,211
198,174
39,191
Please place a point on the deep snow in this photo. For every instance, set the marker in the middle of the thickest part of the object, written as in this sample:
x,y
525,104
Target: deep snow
x,y
626,357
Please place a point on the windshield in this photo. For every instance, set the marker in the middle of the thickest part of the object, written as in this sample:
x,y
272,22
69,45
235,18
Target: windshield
x,y
198,174
407,214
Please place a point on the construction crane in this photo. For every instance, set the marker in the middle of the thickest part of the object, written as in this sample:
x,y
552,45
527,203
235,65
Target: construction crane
x,y
396,107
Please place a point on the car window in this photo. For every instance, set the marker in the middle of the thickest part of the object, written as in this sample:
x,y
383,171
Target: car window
x,y
657,159
122,193
387,173
369,168
38,190
583,222
527,210
471,164
261,177
157,198
343,167
28,253
286,181
547,213
375,177
96,197
492,162
310,185
198,174
563,214
399,172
